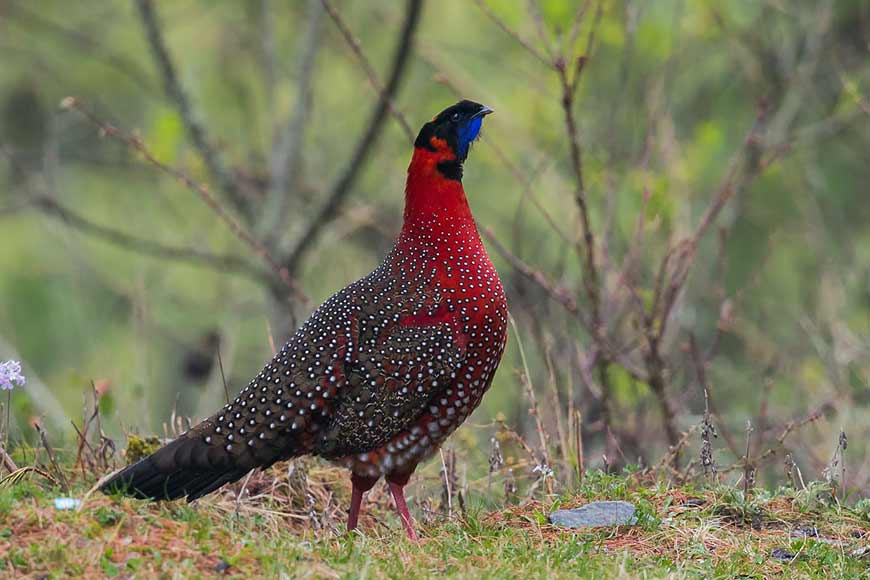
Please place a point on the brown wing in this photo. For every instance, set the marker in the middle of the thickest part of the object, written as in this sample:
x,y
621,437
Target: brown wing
x,y
390,382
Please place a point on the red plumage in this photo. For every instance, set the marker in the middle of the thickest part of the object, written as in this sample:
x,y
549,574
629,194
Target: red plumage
x,y
384,371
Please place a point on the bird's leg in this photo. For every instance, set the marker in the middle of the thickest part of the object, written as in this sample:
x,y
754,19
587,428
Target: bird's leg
x,y
397,488
361,485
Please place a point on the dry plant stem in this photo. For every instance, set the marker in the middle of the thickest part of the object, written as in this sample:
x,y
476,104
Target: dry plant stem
x,y
707,429
748,468
176,93
223,376
668,460
656,380
96,414
242,492
83,442
7,461
58,472
205,195
556,404
525,378
448,491
789,428
367,142
577,427
519,440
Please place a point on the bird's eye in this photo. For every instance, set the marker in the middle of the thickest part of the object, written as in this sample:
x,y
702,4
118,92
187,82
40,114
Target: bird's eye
x,y
455,117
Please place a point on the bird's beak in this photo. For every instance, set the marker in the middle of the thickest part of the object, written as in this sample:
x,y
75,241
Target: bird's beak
x,y
483,112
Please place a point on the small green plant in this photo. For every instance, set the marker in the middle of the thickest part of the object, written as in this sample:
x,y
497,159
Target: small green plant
x,y
106,516
139,447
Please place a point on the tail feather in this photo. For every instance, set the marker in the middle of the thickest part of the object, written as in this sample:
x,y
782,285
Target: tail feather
x,y
187,467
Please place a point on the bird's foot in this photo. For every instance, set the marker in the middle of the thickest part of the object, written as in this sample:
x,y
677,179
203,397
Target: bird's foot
x,y
360,486
398,491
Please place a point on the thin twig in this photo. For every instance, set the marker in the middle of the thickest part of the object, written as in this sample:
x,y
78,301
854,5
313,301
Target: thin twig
x,y
748,467
223,376
225,263
6,461
562,296
201,190
286,159
708,430
526,380
369,138
176,93
44,439
512,33
355,47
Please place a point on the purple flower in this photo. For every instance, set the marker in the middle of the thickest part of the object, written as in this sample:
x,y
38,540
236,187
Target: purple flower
x,y
10,375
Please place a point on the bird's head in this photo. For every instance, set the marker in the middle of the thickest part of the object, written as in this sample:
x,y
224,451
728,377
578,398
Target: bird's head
x,y
449,135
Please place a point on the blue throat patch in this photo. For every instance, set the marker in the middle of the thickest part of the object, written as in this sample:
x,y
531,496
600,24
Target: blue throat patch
x,y
467,134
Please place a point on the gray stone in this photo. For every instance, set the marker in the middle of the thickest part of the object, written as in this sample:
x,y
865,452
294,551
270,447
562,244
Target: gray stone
x,y
595,514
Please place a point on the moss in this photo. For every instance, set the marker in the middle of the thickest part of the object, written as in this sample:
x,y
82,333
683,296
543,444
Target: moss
x,y
137,447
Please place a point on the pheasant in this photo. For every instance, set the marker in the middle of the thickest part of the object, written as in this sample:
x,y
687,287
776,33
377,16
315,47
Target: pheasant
x,y
383,371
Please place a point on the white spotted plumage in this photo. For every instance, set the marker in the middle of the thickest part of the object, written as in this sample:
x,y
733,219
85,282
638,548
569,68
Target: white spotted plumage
x,y
403,356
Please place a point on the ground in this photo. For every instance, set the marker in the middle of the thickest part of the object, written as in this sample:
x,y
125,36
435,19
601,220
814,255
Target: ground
x,y
282,530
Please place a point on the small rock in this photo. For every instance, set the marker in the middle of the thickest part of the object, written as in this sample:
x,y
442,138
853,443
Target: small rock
x,y
66,503
781,554
222,566
862,552
807,532
595,514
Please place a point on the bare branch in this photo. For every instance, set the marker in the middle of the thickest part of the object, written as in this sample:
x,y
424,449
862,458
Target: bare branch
x,y
368,140
569,92
513,33
204,194
176,93
562,296
221,263
534,11
517,174
287,143
96,49
355,47
729,184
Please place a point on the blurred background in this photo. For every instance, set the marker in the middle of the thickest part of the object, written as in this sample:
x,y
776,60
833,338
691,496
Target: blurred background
x,y
675,194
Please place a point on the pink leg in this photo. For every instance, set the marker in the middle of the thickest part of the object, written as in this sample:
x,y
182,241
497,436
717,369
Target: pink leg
x,y
360,486
398,491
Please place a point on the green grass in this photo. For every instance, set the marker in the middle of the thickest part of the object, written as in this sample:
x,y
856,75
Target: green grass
x,y
683,532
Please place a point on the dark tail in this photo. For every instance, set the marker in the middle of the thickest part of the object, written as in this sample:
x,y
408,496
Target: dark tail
x,y
185,467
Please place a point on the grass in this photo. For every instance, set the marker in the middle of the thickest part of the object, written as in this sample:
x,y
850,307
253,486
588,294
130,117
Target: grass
x,y
282,529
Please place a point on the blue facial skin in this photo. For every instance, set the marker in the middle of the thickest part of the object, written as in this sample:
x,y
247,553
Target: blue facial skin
x,y
467,134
